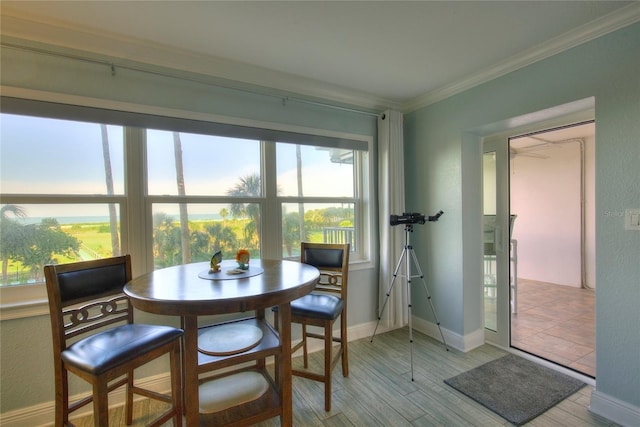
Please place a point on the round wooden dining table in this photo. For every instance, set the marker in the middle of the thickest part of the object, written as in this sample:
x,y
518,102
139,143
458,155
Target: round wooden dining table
x,y
190,291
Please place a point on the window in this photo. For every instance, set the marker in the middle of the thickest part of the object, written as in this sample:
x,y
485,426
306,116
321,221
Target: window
x,y
169,190
207,194
207,228
188,164
318,189
51,156
62,190
309,171
216,169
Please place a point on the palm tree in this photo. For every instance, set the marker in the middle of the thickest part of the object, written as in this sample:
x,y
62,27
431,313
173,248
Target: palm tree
x,y
184,215
200,246
224,213
303,237
113,220
222,238
47,240
166,239
11,236
291,232
249,186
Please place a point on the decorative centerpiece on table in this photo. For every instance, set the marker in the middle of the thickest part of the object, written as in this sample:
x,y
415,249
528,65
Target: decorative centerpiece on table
x,y
242,258
214,264
220,270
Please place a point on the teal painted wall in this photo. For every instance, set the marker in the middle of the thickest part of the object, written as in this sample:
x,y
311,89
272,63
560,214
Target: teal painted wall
x,y
442,172
37,71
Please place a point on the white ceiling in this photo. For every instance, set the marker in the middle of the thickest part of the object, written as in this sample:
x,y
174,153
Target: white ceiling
x,y
393,52
553,138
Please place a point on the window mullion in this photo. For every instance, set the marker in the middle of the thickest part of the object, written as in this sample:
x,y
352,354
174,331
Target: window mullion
x,y
271,240
137,220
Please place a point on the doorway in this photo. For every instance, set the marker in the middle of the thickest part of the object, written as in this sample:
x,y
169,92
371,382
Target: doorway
x,y
551,188
539,276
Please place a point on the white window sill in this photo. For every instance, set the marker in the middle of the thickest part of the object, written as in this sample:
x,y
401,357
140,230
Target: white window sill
x,y
17,302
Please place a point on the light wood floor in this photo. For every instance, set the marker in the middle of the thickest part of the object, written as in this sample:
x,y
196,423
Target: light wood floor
x,y
379,390
557,323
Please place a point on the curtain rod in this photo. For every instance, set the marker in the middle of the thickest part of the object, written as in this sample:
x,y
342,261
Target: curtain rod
x,y
113,66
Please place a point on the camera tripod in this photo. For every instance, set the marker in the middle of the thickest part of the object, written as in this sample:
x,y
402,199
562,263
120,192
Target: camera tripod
x,y
408,249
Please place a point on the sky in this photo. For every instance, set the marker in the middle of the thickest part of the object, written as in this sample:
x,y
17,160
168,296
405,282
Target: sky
x,y
63,157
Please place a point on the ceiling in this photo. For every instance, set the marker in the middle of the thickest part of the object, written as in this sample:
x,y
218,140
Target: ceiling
x,y
382,52
535,145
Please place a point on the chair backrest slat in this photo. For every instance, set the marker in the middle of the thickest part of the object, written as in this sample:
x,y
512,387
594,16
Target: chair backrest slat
x,y
96,315
332,259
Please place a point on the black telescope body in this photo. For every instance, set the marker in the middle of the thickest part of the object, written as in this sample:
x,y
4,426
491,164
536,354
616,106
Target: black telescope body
x,y
407,218
413,218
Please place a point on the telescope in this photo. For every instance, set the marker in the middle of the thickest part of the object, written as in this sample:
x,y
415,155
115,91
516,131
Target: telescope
x,y
413,218
407,255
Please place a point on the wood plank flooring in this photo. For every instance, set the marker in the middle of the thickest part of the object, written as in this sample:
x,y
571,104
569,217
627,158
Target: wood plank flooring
x,y
379,391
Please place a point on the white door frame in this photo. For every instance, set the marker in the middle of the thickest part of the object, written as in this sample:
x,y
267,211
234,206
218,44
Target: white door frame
x,y
501,335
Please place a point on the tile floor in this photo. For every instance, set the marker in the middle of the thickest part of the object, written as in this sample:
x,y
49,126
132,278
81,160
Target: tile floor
x,y
557,323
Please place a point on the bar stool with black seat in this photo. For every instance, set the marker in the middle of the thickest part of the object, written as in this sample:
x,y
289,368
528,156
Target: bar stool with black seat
x,y
321,308
84,298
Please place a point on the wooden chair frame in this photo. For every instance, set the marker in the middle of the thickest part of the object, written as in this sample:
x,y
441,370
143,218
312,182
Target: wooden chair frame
x,y
334,277
84,298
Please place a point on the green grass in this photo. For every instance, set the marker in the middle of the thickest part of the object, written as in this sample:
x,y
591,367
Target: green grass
x,y
97,238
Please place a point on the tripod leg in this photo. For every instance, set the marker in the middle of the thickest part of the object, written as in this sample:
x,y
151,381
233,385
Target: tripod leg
x,y
389,289
424,283
410,323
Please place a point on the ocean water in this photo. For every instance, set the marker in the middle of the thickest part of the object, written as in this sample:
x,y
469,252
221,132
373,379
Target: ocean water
x,y
98,219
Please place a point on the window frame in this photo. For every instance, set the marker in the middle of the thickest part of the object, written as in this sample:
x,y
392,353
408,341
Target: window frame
x,y
31,300
136,228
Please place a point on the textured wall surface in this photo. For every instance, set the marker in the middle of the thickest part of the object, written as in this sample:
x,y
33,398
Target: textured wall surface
x,y
443,171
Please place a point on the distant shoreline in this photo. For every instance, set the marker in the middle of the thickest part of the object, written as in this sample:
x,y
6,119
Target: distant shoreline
x,y
98,219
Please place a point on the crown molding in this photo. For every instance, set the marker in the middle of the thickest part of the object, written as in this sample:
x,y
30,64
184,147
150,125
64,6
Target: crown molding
x,y
611,22
56,33
93,43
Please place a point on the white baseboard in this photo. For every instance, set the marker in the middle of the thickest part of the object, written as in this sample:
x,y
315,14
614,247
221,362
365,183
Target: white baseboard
x,y
37,415
42,414
614,409
462,343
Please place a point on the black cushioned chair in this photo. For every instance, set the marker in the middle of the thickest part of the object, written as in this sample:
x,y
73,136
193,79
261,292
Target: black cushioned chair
x,y
322,307
84,298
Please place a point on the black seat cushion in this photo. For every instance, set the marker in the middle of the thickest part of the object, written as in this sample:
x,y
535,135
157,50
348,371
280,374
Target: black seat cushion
x,y
101,352
317,306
